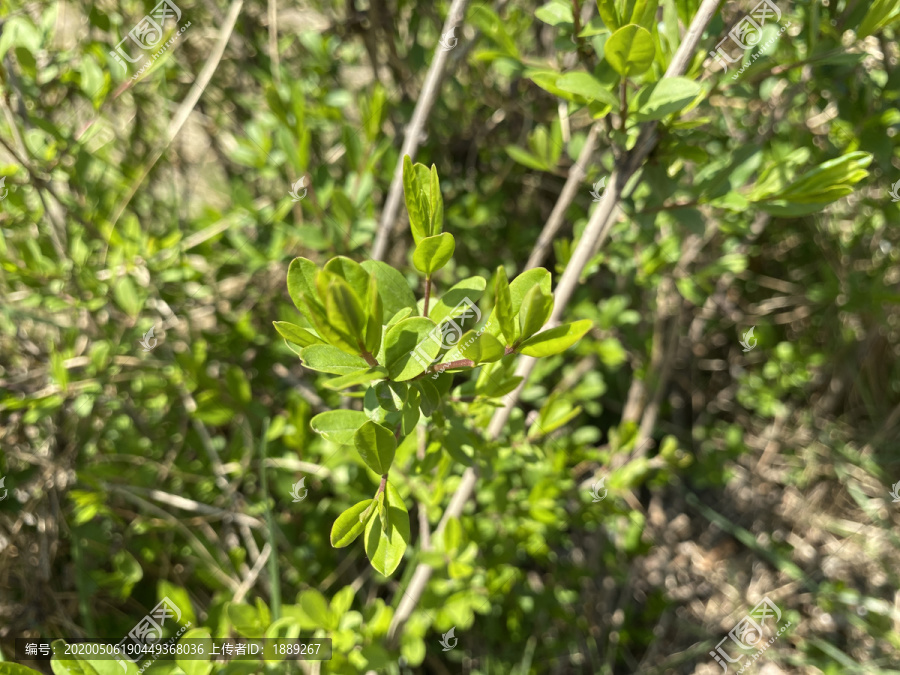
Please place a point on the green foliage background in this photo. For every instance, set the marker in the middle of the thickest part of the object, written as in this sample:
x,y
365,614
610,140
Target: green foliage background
x,y
732,475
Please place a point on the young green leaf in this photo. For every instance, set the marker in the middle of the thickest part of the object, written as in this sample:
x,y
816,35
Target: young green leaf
x,y
554,13
610,15
536,309
662,98
348,526
376,445
355,378
555,340
484,348
503,307
344,311
338,426
329,359
374,317
437,203
326,330
458,299
630,50
392,287
419,216
587,87
351,272
432,253
388,536
294,333
301,280
410,346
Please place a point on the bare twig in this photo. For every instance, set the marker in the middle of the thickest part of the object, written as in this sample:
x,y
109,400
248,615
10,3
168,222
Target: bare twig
x,y
576,175
413,131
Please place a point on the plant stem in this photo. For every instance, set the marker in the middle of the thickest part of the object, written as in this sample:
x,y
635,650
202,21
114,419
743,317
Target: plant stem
x,y
274,576
427,295
441,367
384,479
624,96
367,355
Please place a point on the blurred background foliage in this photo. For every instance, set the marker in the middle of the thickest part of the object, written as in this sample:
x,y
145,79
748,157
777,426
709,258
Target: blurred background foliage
x,y
135,475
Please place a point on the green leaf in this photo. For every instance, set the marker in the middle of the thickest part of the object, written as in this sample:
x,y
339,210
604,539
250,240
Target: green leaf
x,y
294,333
432,253
196,666
437,203
386,542
351,272
503,307
392,287
555,340
587,87
644,13
630,50
881,14
609,14
344,310
484,348
338,426
555,13
316,610
525,158
376,445
662,98
328,359
414,193
355,378
348,525
301,280
126,296
374,317
458,299
410,346
324,328
409,415
431,399
536,309
391,395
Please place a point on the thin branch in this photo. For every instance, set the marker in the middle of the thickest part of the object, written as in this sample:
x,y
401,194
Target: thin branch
x,y
566,197
414,130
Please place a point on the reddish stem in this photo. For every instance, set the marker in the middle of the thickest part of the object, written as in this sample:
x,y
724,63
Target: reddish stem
x,y
427,295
